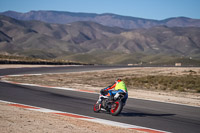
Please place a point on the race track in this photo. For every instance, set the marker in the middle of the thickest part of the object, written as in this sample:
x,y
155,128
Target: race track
x,y
157,115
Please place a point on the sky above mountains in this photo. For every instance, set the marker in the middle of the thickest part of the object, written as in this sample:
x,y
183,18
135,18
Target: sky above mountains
x,y
150,9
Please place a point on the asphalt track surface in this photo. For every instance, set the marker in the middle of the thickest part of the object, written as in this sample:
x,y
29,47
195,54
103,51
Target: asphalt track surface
x,y
157,115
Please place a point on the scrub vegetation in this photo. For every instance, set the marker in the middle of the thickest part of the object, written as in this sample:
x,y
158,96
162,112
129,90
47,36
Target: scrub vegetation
x,y
188,83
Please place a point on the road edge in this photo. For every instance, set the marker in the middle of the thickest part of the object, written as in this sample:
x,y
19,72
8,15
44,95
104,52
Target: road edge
x,y
83,117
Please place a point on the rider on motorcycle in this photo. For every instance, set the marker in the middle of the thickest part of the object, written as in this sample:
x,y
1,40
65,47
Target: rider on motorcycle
x,y
119,86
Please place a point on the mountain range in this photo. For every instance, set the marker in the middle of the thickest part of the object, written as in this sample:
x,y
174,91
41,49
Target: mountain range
x,y
92,42
107,19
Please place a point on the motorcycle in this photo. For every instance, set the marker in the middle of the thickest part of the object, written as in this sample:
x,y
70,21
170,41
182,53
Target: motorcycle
x,y
113,105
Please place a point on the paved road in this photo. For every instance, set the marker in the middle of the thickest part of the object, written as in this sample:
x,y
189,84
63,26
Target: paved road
x,y
157,115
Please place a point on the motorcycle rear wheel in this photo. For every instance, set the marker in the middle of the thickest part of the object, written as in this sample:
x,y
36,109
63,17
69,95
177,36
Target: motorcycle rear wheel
x,y
116,108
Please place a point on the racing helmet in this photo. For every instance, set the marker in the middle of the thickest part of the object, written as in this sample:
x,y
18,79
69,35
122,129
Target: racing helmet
x,y
118,80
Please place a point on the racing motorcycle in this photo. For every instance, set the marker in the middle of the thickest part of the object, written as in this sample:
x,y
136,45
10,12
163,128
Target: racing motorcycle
x,y
113,105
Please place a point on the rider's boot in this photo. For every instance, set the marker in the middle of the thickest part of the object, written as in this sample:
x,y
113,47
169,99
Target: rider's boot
x,y
99,101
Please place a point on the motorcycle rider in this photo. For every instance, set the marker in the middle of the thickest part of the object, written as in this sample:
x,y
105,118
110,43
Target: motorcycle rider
x,y
119,86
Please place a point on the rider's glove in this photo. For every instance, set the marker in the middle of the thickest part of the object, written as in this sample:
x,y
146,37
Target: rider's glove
x,y
102,91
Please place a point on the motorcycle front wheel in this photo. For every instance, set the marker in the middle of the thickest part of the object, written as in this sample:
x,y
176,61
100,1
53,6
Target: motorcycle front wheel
x,y
96,108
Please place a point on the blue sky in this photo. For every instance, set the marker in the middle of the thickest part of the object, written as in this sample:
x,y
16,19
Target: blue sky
x,y
150,9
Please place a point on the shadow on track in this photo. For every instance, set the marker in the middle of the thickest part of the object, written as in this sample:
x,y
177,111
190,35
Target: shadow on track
x,y
143,114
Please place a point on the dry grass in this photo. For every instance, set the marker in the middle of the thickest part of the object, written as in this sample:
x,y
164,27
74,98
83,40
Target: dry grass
x,y
186,83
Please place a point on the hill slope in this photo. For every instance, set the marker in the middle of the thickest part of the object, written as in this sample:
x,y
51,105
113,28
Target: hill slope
x,y
94,43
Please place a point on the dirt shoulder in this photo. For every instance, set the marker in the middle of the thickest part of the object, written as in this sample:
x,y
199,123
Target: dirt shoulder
x,y
19,120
